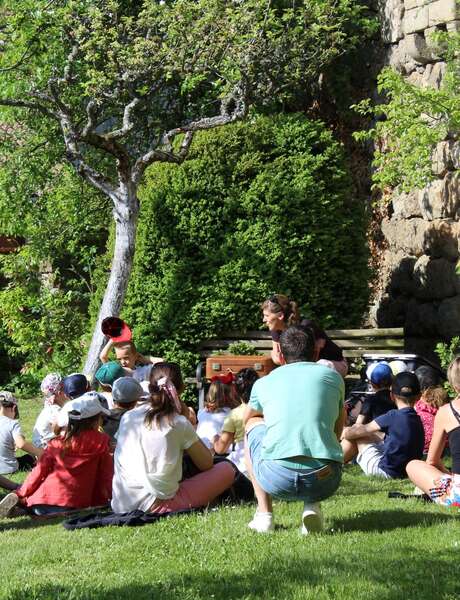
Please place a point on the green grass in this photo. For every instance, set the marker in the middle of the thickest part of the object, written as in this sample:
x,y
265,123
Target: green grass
x,y
373,548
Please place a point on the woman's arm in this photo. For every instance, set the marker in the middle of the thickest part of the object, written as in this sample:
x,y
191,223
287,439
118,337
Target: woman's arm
x,y
438,441
223,442
200,455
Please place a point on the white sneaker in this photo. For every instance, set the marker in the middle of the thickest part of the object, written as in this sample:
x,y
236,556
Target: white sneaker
x,y
8,502
262,522
312,518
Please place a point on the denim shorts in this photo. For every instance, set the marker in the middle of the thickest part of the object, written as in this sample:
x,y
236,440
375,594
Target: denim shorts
x,y
310,485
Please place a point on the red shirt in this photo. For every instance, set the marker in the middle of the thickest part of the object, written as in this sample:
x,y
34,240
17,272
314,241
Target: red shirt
x,y
76,477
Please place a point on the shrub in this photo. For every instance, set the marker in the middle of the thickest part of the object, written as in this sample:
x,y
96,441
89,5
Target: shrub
x,y
261,206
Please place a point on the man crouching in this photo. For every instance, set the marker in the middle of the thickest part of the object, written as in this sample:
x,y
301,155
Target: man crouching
x,y
294,421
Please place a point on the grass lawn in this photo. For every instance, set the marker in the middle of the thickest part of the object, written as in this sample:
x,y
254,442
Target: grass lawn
x,y
373,548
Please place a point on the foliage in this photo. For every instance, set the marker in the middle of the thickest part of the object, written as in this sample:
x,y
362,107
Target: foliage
x,y
260,206
44,304
408,126
243,349
447,352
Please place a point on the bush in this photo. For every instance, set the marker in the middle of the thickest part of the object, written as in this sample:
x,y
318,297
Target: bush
x,y
261,206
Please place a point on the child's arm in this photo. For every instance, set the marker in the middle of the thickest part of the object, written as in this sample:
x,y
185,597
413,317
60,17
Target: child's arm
x,y
338,427
38,474
223,442
147,360
438,441
105,352
358,431
23,444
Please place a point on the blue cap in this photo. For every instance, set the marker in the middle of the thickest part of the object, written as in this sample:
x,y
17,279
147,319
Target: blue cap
x,y
380,374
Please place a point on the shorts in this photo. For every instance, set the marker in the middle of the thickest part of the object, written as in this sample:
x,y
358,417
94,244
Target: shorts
x,y
309,485
369,458
446,490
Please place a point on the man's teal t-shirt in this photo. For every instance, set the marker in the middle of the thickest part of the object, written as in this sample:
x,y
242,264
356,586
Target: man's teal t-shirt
x,y
301,403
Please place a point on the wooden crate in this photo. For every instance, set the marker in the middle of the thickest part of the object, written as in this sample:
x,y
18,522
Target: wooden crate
x,y
222,363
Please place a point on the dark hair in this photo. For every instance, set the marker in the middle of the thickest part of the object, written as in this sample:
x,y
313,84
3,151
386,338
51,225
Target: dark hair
x,y
220,395
75,427
162,402
297,344
244,380
427,377
279,303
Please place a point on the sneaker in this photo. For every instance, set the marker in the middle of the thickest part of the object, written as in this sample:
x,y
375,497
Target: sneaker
x,y
312,518
262,522
8,502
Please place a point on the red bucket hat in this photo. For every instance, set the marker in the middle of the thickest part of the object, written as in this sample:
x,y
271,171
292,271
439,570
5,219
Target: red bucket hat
x,y
116,329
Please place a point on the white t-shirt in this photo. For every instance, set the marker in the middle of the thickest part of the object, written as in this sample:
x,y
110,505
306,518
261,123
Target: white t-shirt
x,y
9,429
43,428
148,462
210,424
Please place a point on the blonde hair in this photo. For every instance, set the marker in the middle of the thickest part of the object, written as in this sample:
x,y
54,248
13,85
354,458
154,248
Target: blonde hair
x,y
220,395
281,304
435,396
453,374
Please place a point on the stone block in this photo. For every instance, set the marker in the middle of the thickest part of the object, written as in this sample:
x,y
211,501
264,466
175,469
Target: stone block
x,y
415,19
406,205
405,235
455,154
416,48
449,317
442,239
441,198
391,19
433,75
453,26
442,158
442,11
434,279
401,278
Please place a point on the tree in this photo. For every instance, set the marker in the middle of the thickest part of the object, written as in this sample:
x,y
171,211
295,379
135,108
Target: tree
x,y
122,84
412,121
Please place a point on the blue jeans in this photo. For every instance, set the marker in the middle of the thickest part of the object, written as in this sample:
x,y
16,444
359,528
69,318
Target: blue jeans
x,y
48,509
309,485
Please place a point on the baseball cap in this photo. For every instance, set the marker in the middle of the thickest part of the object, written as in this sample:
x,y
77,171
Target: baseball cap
x,y
126,390
86,406
74,385
108,372
398,366
405,385
7,398
379,373
116,329
427,377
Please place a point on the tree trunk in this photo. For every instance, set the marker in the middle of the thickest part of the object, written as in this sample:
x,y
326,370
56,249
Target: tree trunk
x,y
126,211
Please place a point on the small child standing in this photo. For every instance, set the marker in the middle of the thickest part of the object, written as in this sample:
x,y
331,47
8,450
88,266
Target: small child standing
x,y
11,437
219,402
53,391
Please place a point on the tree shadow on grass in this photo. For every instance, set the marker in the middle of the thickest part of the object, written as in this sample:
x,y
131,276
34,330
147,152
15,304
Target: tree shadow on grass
x,y
387,520
396,575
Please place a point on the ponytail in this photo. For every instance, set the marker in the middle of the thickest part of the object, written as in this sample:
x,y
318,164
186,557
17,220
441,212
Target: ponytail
x,y
164,402
279,303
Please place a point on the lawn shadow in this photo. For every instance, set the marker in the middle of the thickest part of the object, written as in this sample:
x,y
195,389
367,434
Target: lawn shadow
x,y
387,520
28,522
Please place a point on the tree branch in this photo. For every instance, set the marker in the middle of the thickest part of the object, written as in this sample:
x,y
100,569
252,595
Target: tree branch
x,y
127,122
29,105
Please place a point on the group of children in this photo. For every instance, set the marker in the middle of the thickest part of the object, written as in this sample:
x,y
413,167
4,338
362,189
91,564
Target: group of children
x,y
137,445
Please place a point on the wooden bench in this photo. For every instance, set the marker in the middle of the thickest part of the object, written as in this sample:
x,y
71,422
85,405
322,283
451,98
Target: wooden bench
x,y
354,342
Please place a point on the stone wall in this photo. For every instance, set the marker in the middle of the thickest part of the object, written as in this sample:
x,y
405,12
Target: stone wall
x,y
419,286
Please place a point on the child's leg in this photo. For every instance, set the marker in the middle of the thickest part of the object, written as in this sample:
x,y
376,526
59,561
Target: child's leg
x,y
199,490
7,484
350,450
423,475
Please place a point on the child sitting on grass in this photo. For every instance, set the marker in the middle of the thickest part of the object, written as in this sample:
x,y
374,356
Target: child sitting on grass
x,y
219,402
11,437
106,375
75,470
126,393
433,397
151,443
403,429
432,476
52,389
232,435
376,403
